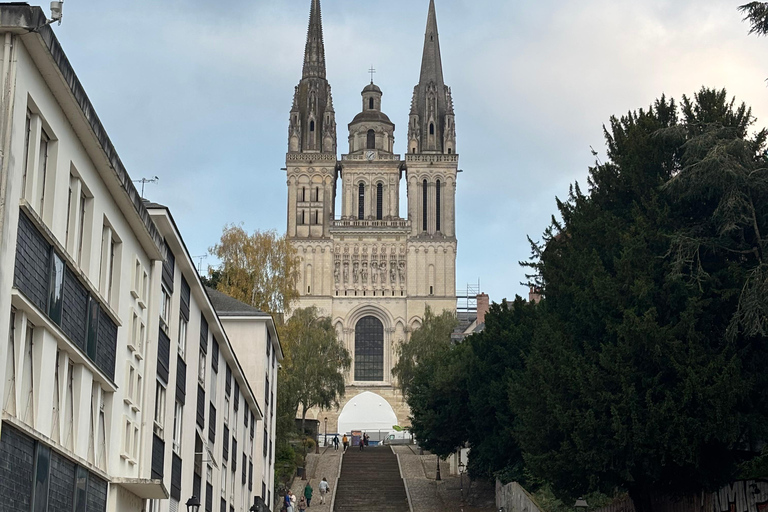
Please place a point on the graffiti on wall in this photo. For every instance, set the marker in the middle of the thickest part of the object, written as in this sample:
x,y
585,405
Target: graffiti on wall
x,y
742,496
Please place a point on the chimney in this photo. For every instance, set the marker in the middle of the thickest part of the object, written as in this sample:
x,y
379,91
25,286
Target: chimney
x,y
483,304
534,295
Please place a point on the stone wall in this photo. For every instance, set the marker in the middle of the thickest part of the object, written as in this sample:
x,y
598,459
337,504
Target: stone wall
x,y
513,498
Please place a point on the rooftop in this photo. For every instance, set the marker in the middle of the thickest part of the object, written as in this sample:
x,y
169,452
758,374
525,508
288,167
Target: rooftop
x,y
228,306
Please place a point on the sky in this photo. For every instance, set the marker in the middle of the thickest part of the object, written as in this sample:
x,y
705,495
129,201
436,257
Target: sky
x,y
198,93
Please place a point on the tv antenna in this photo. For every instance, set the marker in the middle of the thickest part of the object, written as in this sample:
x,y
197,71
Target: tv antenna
x,y
144,181
200,260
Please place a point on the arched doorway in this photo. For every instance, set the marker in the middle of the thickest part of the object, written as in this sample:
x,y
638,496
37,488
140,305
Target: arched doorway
x,y
368,412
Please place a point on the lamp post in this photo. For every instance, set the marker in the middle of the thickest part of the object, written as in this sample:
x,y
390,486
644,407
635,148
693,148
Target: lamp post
x,y
193,504
462,467
326,431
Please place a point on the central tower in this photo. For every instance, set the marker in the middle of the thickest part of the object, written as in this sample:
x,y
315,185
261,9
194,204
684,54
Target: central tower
x,y
371,271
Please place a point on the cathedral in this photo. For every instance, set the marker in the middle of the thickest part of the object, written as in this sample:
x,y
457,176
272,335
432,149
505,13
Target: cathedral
x,y
371,271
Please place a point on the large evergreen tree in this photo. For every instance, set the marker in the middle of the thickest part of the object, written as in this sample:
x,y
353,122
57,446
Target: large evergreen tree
x,y
634,379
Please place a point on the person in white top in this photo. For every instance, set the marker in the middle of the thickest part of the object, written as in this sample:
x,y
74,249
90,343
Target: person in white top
x,y
324,488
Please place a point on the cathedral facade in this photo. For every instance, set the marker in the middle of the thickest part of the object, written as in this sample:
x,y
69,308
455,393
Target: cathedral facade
x,y
371,271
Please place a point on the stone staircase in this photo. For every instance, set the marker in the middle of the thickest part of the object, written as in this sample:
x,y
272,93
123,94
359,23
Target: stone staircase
x,y
370,482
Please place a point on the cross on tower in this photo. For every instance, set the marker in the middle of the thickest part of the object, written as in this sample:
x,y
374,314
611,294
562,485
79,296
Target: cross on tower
x,y
372,71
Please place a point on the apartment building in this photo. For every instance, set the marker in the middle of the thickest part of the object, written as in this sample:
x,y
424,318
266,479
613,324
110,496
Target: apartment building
x,y
105,328
254,338
208,445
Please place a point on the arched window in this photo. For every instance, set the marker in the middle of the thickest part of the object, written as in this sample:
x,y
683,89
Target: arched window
x,y
369,349
371,142
317,193
311,126
437,206
424,206
303,193
361,201
450,151
370,103
379,201
431,128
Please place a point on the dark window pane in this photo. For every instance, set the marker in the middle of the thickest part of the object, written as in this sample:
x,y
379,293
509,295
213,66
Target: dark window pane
x,y
42,472
92,328
369,349
81,489
56,288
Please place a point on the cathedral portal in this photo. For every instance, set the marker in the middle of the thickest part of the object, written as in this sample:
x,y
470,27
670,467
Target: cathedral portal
x,y
371,271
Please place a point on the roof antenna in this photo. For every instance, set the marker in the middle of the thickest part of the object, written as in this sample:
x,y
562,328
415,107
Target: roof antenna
x,y
144,181
55,12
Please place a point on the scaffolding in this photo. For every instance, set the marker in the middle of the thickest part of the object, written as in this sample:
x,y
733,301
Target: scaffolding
x,y
466,300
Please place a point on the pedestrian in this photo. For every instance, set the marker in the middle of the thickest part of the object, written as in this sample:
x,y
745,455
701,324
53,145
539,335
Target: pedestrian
x,y
308,492
362,442
345,442
336,442
324,489
293,502
302,504
365,438
287,502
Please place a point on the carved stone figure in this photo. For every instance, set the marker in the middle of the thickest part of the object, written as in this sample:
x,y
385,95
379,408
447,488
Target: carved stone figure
x,y
374,266
401,268
392,272
355,272
346,273
364,273
336,272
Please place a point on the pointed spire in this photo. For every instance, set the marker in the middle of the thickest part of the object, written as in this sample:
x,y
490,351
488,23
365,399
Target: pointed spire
x,y
314,51
431,64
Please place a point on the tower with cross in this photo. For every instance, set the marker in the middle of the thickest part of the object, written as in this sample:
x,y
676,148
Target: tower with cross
x,y
369,268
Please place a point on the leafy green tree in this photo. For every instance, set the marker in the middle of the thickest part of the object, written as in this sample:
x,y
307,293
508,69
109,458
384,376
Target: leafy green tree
x,y
634,379
314,363
434,336
491,358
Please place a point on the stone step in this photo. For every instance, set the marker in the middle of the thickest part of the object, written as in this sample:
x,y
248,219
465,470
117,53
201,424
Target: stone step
x,y
370,481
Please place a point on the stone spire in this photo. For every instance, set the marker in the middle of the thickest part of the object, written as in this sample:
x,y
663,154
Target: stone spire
x,y
312,127
431,64
314,51
431,126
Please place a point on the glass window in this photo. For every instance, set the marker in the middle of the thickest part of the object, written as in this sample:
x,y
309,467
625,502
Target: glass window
x,y
369,349
182,336
370,142
165,306
81,489
42,472
178,414
81,229
27,131
42,169
361,201
424,206
437,206
159,409
379,201
201,369
56,288
92,328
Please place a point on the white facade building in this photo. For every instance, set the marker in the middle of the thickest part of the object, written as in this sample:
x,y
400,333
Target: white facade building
x,y
119,388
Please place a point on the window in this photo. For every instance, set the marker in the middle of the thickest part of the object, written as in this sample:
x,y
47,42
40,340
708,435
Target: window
x,y
182,336
69,210
424,206
311,126
266,390
42,169
303,220
127,438
178,414
316,216
137,271
370,103
437,206
81,229
56,288
92,327
269,344
130,383
370,142
223,479
226,410
110,245
41,478
81,489
369,349
379,200
165,306
361,201
431,128
27,132
317,193
159,409
201,369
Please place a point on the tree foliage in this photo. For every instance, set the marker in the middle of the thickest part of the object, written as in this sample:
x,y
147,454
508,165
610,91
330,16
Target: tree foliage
x,y
756,13
433,337
314,363
644,372
260,269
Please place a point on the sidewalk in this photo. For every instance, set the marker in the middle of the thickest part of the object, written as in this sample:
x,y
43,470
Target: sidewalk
x,y
429,495
326,464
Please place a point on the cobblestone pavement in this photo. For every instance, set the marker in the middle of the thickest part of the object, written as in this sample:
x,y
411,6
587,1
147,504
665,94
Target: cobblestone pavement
x,y
430,495
326,464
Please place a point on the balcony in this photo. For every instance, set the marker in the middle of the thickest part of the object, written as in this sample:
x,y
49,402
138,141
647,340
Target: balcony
x,y
384,225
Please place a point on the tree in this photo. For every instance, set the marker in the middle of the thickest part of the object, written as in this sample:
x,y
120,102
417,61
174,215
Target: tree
x,y
260,269
434,336
757,15
314,363
634,379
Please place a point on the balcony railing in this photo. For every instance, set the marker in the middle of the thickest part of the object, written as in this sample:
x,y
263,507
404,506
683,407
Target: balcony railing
x,y
381,224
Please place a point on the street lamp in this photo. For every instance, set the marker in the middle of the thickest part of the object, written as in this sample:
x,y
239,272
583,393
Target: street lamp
x,y
462,467
581,505
193,504
326,431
